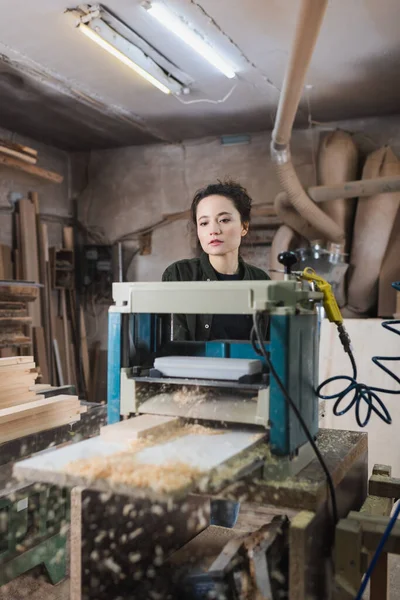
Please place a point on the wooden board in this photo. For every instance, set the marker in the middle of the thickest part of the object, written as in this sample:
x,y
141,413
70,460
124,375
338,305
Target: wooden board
x,y
15,360
16,154
38,415
19,147
84,351
18,292
67,349
5,262
29,249
68,238
41,353
18,164
138,428
199,452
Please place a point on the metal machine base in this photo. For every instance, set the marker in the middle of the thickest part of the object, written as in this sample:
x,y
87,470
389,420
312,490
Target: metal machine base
x,y
284,467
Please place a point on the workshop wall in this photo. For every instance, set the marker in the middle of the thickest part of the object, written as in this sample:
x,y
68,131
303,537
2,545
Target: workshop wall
x,y
54,198
131,188
127,189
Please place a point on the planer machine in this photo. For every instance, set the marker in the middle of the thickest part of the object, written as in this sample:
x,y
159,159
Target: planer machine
x,y
139,495
222,381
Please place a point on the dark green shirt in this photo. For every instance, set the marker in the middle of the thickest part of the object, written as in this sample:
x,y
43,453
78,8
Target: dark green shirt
x,y
199,327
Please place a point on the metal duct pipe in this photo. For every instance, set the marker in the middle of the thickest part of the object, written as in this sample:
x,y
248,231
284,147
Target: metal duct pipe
x,y
308,26
292,219
354,189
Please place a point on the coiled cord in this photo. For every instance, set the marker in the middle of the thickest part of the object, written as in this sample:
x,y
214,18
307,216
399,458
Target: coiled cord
x,y
361,391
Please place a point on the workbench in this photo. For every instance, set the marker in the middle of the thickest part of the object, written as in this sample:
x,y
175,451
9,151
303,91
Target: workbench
x,y
121,547
34,519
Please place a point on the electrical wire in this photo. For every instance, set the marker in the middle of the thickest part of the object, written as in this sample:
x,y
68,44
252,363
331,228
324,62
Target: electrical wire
x,y
208,100
361,391
255,332
378,552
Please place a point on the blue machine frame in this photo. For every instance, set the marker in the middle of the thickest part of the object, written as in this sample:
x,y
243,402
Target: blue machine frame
x,y
293,349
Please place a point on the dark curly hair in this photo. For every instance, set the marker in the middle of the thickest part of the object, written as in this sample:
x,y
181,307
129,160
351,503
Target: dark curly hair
x,y
230,189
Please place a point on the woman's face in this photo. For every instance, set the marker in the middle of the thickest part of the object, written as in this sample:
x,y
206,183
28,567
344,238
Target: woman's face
x,y
219,225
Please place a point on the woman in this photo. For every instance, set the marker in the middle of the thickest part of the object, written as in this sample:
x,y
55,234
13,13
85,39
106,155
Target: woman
x,y
221,214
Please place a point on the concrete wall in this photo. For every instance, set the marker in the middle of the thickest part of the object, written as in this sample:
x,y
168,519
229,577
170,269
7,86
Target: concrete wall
x,y
134,187
54,198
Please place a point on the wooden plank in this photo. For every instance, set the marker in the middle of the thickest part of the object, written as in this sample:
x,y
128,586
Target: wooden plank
x,y
76,544
59,338
66,336
348,544
27,426
68,238
139,427
380,485
58,363
41,404
7,352
84,351
15,360
377,506
42,250
30,261
19,147
95,356
22,398
299,536
74,380
5,262
41,353
15,163
161,470
48,320
16,154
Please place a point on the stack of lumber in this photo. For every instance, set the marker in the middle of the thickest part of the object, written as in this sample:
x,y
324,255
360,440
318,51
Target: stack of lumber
x,y
52,325
23,158
14,318
22,411
24,153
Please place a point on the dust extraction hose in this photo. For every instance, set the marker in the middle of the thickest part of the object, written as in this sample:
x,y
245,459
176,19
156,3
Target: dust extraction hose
x,y
308,26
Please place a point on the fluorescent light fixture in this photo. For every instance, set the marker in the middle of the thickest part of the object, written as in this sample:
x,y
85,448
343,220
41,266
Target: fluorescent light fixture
x,y
193,39
95,37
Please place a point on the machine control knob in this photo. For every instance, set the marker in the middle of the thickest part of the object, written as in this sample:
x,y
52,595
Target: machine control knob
x,y
287,259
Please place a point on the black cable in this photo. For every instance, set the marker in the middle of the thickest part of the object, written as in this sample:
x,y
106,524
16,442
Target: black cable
x,y
255,332
363,392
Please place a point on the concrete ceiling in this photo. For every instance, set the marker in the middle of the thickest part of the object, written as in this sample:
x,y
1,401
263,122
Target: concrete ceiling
x,y
60,88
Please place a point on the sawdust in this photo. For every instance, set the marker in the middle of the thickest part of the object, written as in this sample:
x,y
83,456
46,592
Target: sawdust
x,y
189,395
124,467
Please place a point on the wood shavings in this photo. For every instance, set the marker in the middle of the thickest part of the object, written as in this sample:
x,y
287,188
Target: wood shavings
x,y
189,395
122,468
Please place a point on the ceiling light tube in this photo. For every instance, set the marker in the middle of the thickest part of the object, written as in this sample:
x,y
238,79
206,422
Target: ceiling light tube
x,y
188,35
95,37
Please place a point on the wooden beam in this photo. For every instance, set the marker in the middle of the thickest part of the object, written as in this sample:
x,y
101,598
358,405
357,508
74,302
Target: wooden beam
x,y
378,506
30,260
380,485
18,164
5,262
299,536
